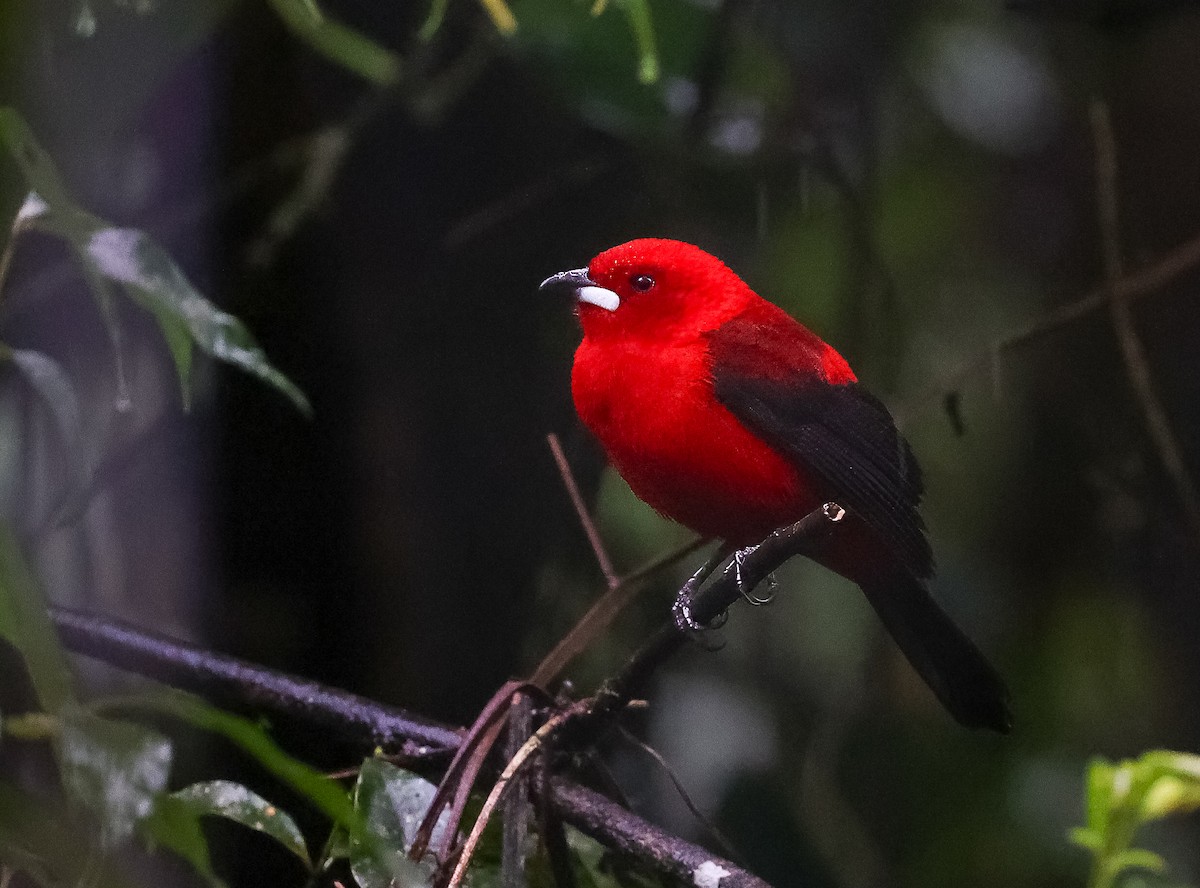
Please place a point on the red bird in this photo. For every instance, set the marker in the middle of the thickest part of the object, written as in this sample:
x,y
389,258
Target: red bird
x,y
727,415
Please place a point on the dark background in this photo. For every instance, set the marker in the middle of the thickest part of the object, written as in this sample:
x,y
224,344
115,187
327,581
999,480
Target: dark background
x,y
914,180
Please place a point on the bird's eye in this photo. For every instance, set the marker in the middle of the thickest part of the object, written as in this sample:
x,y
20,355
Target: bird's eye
x,y
641,282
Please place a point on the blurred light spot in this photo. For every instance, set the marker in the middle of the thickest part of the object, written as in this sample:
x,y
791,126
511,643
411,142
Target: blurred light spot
x,y
680,95
988,89
85,20
33,207
738,133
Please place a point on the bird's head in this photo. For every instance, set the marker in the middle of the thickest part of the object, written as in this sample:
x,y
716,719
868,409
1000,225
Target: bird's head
x,y
654,288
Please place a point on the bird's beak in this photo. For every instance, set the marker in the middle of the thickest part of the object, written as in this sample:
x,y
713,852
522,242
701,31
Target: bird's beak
x,y
577,285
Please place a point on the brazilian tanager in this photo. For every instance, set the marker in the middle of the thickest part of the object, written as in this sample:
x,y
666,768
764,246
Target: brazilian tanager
x,y
729,416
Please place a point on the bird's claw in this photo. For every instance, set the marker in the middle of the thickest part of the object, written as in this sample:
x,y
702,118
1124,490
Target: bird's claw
x,y
689,625
739,558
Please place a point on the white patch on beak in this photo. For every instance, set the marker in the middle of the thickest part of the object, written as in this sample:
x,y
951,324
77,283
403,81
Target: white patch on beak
x,y
600,296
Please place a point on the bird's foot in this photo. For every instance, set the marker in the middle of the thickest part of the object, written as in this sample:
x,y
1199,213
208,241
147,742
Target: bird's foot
x,y
739,558
681,610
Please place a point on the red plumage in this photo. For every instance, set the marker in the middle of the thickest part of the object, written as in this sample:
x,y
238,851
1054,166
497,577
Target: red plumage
x,y
724,413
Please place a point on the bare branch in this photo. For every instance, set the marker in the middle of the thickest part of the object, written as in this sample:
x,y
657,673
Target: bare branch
x,y
711,828
363,721
1143,282
602,613
523,758
589,526
1133,351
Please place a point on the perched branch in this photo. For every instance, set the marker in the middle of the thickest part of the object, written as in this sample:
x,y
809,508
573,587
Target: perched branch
x,y
364,721
735,581
1133,351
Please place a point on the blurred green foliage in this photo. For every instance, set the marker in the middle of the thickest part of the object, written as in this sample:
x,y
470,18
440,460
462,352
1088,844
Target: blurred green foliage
x,y
1121,798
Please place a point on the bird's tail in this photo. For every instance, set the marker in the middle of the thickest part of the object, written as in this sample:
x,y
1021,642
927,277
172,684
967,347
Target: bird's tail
x,y
943,656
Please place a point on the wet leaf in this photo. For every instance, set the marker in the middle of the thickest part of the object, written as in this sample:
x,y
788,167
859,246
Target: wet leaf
x,y
25,625
141,268
392,803
116,768
323,793
224,798
129,257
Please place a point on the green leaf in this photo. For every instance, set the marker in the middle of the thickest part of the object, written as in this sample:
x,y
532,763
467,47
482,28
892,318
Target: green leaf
x,y
323,793
638,14
392,803
25,625
223,798
144,270
433,20
174,825
1170,794
49,198
1085,838
1183,764
1138,858
338,43
501,15
116,768
129,257
35,164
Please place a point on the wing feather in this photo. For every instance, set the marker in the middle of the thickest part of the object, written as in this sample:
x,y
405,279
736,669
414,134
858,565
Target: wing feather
x,y
770,380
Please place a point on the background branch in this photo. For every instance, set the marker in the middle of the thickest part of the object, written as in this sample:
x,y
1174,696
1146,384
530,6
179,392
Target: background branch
x,y
1129,287
1133,351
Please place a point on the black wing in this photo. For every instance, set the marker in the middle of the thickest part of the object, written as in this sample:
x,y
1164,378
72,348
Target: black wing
x,y
845,436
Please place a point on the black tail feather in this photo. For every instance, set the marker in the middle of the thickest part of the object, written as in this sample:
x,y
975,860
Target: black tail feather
x,y
943,656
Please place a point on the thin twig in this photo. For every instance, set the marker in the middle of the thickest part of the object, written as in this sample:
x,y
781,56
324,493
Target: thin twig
x,y
581,512
1133,351
603,612
711,828
460,776
1145,281
517,807
518,762
554,837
